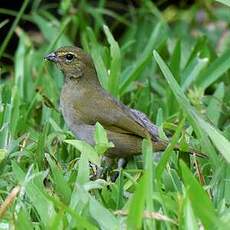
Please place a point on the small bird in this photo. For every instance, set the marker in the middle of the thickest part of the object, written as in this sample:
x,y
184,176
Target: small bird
x,y
84,102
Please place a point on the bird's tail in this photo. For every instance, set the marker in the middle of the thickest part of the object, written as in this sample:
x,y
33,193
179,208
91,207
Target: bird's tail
x,y
161,145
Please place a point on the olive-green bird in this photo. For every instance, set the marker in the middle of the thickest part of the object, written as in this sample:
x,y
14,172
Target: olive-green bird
x,y
84,102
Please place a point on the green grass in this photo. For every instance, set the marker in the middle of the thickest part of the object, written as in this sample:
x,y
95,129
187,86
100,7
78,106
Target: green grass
x,y
166,64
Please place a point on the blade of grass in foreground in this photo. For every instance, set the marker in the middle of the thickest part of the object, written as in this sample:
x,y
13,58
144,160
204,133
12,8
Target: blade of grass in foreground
x,y
226,2
147,151
105,219
199,124
78,220
35,191
85,148
189,218
83,170
201,204
137,205
61,185
167,153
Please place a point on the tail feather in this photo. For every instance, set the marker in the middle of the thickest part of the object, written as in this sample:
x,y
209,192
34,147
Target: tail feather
x,y
161,145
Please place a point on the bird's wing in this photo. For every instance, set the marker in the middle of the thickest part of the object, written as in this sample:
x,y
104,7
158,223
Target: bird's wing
x,y
128,120
144,121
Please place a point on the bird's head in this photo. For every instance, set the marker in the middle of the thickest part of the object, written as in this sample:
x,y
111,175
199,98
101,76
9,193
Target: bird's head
x,y
72,61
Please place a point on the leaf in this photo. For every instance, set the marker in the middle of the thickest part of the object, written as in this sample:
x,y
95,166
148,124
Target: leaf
x,y
20,65
3,154
200,126
226,2
23,220
175,60
61,185
137,205
100,137
215,105
85,148
115,65
79,198
201,204
214,71
13,27
148,161
167,153
75,219
5,128
83,170
159,124
201,48
192,71
35,190
190,221
3,23
221,143
51,30
97,59
102,216
139,66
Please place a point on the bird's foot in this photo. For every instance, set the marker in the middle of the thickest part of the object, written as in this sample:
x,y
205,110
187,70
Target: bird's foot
x,y
104,171
121,164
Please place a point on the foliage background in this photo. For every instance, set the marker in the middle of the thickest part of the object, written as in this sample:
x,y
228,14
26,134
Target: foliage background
x,y
47,177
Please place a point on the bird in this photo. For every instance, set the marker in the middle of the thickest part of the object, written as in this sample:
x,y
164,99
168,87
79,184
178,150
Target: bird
x,y
84,102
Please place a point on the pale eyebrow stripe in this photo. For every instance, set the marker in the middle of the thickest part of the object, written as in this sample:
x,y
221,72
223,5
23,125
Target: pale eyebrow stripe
x,y
64,53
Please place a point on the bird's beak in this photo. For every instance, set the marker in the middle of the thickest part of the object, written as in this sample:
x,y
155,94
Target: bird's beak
x,y
51,57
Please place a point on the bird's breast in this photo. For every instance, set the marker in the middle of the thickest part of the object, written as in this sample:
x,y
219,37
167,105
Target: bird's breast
x,y
78,105
71,102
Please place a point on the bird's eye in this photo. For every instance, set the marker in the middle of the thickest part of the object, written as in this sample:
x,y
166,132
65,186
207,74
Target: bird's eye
x,y
69,57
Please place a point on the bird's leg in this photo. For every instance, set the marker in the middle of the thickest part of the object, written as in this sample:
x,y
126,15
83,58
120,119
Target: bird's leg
x,y
104,168
107,164
121,164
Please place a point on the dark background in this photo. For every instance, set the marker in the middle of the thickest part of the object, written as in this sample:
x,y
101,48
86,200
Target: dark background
x,y
118,6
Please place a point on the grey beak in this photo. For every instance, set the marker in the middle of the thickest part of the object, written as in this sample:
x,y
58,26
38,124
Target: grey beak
x,y
51,57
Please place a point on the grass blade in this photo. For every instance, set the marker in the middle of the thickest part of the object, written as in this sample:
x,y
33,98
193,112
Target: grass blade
x,y
61,185
13,27
103,216
215,105
192,71
167,153
137,205
85,148
148,160
143,60
226,2
190,221
98,60
51,32
200,126
214,71
35,190
83,170
115,65
201,204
